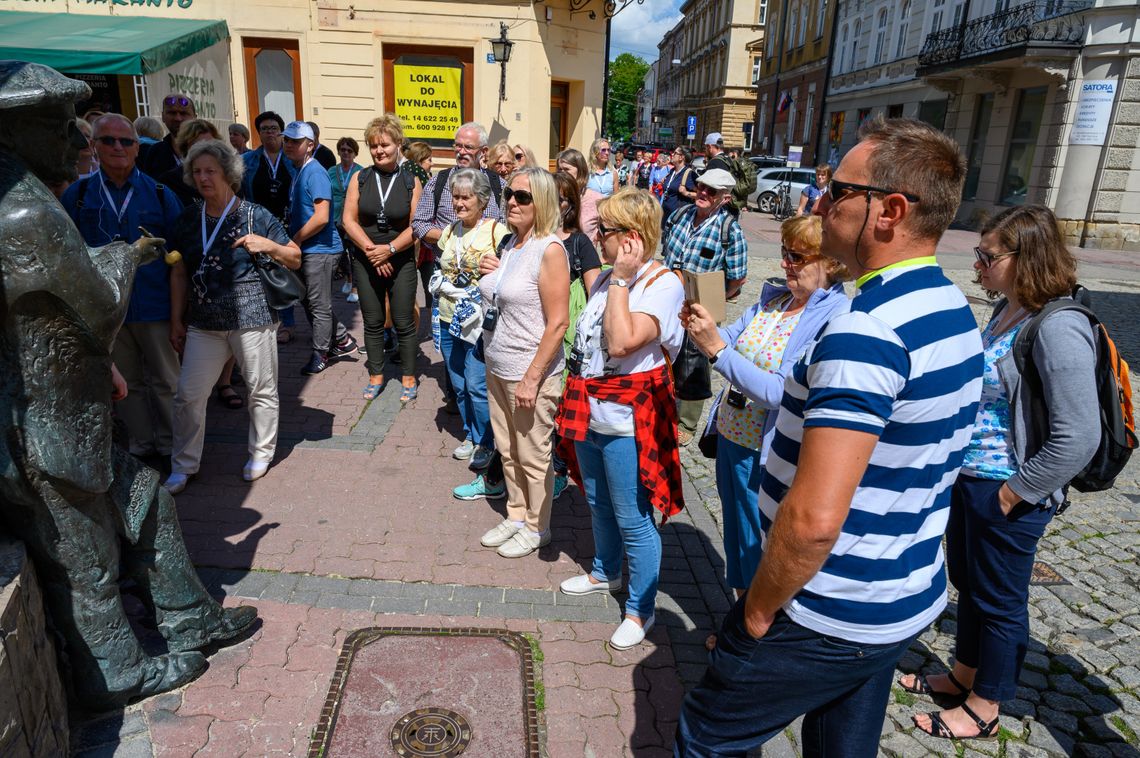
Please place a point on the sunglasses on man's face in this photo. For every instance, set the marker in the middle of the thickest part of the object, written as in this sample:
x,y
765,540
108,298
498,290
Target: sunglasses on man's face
x,y
181,102
521,197
837,190
123,142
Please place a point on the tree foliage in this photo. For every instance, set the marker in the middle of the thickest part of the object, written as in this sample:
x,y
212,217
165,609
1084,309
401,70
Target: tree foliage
x,y
627,74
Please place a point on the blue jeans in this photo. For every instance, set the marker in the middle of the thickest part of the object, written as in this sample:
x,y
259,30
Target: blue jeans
x,y
989,559
752,689
620,514
469,383
738,473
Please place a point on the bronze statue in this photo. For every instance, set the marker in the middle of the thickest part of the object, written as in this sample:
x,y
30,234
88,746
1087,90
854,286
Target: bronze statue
x,y
81,505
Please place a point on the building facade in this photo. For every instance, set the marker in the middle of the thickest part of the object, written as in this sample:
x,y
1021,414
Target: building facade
x,y
341,64
707,71
793,76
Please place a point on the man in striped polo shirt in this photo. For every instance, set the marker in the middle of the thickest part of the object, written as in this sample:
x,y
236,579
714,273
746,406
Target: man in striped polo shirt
x,y
855,496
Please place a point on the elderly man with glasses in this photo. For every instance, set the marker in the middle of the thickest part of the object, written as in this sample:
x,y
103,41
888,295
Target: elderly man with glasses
x,y
108,206
164,156
704,237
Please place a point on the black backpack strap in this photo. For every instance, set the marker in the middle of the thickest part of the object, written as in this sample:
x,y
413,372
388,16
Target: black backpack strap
x,y
506,240
81,192
496,185
1023,343
409,182
437,192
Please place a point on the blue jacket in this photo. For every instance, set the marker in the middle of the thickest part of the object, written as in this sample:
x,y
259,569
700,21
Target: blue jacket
x,y
252,161
762,386
153,206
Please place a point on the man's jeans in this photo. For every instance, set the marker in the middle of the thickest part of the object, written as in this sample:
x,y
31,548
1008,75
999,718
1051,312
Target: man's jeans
x,y
753,689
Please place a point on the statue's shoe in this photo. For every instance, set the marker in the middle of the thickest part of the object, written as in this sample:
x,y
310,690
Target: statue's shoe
x,y
168,672
218,629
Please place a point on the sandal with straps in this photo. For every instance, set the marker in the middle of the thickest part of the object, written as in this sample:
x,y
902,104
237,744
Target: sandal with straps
x,y
945,699
987,730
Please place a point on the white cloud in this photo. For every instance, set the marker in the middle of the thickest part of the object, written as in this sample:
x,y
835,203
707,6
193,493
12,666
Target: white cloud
x,y
639,27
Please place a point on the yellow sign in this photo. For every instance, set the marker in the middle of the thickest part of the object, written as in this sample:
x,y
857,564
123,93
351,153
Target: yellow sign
x,y
429,100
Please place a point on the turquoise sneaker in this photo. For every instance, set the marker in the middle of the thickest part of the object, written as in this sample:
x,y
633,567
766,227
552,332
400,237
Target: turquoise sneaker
x,y
479,488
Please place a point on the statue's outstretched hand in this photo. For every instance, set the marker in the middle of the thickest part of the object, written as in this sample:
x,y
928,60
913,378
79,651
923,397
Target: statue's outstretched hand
x,y
149,249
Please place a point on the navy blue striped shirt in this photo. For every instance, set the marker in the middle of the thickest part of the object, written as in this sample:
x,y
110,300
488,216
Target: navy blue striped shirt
x,y
904,364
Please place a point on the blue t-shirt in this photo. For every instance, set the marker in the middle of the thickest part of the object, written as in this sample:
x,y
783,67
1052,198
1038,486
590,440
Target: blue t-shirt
x,y
312,184
812,192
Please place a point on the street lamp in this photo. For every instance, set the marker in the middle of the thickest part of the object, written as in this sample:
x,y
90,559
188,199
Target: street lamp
x,y
501,52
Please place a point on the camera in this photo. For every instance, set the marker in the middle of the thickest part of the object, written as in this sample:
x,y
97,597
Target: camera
x,y
574,362
463,279
736,398
490,319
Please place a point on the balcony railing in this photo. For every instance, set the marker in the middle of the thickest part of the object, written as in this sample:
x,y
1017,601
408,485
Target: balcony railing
x,y
1048,23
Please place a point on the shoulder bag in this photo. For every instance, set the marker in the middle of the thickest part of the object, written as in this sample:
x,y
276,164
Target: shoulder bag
x,y
283,289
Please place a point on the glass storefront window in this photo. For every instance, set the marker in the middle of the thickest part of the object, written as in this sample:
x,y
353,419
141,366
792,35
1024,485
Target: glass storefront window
x,y
1022,146
982,112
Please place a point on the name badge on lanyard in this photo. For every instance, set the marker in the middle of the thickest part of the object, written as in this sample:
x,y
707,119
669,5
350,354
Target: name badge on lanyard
x,y
120,210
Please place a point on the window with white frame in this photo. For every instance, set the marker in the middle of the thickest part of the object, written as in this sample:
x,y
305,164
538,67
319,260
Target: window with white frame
x,y
770,44
904,27
855,32
757,61
937,13
820,15
803,24
880,37
809,113
843,50
762,16
792,30
748,136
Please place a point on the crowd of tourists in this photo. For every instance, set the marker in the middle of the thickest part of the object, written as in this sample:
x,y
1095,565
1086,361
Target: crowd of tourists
x,y
853,434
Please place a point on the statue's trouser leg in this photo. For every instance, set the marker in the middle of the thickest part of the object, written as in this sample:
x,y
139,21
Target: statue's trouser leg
x,y
75,543
159,562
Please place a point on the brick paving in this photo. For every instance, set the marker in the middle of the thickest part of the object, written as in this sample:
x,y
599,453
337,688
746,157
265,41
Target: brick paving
x,y
355,526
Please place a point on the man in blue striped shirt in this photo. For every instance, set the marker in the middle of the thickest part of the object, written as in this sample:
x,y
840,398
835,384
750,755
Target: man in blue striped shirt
x,y
855,495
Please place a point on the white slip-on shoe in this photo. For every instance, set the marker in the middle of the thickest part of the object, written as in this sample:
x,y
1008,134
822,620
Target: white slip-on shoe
x,y
581,585
500,534
523,543
175,483
629,634
464,451
254,470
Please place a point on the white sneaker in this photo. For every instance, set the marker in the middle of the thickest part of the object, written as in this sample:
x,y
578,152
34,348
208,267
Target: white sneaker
x,y
346,287
581,585
629,634
175,483
500,534
254,470
523,543
464,451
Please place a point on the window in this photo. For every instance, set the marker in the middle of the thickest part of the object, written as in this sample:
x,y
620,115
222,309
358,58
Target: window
x,y
808,114
843,51
762,17
453,65
770,44
904,27
855,45
895,111
936,14
1001,6
757,61
763,115
820,15
803,24
982,111
748,136
792,114
1023,146
792,29
272,77
880,37
933,112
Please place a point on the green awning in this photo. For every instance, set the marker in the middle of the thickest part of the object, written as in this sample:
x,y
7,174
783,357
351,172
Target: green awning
x,y
86,44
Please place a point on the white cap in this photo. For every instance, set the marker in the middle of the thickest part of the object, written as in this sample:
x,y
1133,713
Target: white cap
x,y
714,138
299,130
717,178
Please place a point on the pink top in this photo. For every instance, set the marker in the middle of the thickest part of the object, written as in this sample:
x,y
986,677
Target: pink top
x,y
588,213
510,348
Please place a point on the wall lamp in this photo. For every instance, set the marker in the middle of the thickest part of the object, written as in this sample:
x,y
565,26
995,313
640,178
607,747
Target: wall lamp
x,y
501,52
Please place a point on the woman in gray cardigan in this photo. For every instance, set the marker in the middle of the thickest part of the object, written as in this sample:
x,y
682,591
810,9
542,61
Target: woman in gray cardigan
x,y
1014,473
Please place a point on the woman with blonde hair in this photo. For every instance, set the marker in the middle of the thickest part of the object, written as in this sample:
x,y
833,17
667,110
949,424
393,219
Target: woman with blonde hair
x,y
378,209
524,157
525,299
619,411
501,159
603,178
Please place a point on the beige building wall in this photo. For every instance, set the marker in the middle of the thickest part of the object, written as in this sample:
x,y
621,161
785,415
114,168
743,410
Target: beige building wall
x,y
341,48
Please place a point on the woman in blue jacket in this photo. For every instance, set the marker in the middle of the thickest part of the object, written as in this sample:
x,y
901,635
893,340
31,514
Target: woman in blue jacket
x,y
755,355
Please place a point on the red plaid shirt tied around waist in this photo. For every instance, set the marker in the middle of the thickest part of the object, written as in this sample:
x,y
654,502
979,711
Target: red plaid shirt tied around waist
x,y
650,393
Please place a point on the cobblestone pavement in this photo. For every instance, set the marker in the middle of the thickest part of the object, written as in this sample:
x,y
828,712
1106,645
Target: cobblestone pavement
x,y
355,526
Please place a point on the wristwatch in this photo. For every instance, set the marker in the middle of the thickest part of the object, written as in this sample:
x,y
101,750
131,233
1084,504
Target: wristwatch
x,y
713,359
619,282
391,249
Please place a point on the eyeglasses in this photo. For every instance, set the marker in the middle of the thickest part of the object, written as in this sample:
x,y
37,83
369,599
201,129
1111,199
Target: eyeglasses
x,y
795,257
836,190
603,149
605,231
181,102
269,129
504,164
521,197
519,156
460,147
123,142
987,259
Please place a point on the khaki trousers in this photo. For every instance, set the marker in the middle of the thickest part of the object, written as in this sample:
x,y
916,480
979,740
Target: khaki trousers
x,y
205,354
146,359
523,438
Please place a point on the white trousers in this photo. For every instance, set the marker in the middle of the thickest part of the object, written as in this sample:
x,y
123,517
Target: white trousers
x,y
202,360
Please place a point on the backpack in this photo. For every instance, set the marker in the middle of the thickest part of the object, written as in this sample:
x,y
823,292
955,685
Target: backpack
x,y
441,182
725,223
1114,394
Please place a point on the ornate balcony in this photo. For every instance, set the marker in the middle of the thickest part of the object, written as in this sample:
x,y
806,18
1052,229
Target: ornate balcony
x,y
1041,24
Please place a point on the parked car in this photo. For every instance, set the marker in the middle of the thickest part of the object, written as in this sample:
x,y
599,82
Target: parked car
x,y
767,161
768,181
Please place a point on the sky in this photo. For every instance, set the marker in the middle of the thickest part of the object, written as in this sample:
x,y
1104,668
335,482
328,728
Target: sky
x,y
639,28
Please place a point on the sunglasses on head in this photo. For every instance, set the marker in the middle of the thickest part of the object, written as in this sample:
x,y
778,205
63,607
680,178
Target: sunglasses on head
x,y
521,197
794,257
605,231
837,190
519,156
987,259
112,141
182,102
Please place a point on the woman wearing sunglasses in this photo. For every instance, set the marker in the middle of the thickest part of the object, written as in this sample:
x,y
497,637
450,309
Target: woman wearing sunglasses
x,y
524,157
603,177
619,417
525,297
1021,455
755,355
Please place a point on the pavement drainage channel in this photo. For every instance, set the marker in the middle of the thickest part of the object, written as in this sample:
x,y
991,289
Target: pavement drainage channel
x,y
482,685
1044,575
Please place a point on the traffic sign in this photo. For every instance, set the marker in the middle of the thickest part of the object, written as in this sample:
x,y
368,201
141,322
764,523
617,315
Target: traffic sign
x,y
692,127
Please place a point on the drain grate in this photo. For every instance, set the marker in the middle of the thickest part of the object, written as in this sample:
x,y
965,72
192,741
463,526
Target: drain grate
x,y
1044,575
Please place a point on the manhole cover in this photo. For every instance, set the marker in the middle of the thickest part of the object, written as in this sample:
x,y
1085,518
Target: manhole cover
x,y
1044,574
431,732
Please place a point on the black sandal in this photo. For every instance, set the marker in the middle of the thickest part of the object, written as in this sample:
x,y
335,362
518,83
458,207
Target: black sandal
x,y
945,699
938,728
229,397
